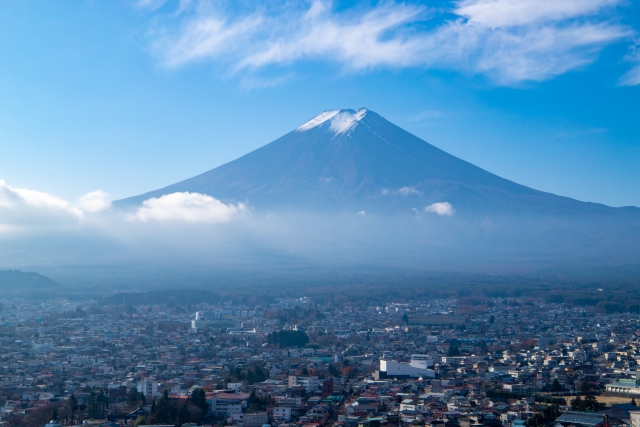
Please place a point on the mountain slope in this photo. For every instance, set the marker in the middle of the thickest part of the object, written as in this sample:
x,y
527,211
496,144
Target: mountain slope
x,y
357,160
16,280
347,162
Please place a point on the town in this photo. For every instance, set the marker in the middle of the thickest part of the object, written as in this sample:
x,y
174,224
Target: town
x,y
500,362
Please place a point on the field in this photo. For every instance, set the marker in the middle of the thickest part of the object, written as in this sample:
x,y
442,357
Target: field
x,y
608,399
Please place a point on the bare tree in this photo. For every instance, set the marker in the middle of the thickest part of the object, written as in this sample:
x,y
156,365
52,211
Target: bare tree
x,y
41,416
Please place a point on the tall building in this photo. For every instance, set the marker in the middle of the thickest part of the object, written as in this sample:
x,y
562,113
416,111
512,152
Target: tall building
x,y
148,387
309,382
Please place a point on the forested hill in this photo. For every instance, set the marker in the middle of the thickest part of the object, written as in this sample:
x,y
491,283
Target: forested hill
x,y
17,280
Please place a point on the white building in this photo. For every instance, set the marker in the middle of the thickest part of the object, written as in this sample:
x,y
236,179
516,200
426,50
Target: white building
x,y
148,387
289,402
309,382
282,413
408,405
415,369
635,418
229,404
208,315
422,361
257,419
626,387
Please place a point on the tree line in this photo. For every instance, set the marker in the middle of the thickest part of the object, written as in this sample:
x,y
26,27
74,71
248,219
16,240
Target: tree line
x,y
285,339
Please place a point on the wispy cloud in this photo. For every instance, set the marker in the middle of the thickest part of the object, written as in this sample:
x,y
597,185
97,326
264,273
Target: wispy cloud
x,y
580,133
632,77
149,4
186,207
511,13
508,41
208,37
426,115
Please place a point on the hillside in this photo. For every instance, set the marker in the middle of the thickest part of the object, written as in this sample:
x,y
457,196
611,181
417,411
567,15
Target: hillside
x,y
16,280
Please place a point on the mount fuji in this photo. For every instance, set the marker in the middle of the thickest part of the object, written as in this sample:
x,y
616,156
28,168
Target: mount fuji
x,y
357,160
349,162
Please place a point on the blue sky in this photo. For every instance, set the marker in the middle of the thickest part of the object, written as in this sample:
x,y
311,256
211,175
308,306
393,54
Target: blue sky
x,y
129,96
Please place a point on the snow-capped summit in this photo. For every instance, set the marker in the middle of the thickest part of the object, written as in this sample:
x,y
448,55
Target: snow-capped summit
x,y
335,121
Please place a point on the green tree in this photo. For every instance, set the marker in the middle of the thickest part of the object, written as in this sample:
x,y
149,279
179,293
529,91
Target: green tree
x,y
133,398
333,371
97,403
199,399
551,412
577,404
556,386
453,351
535,420
164,409
72,402
592,404
288,338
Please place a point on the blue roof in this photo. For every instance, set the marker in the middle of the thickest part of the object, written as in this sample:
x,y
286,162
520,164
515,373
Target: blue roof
x,y
584,418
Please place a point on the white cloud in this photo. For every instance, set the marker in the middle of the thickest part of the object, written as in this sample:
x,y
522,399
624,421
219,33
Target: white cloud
x,y
357,41
508,40
632,77
362,213
187,207
441,208
405,191
511,13
95,201
210,35
20,207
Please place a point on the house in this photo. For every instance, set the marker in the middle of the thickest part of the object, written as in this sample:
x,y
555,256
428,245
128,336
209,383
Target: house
x,y
257,419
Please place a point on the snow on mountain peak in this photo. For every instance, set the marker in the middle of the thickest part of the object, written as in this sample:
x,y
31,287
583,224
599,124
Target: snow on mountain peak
x,y
340,121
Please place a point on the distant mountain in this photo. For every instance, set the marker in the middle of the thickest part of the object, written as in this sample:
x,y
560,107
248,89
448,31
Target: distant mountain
x,y
16,280
351,161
